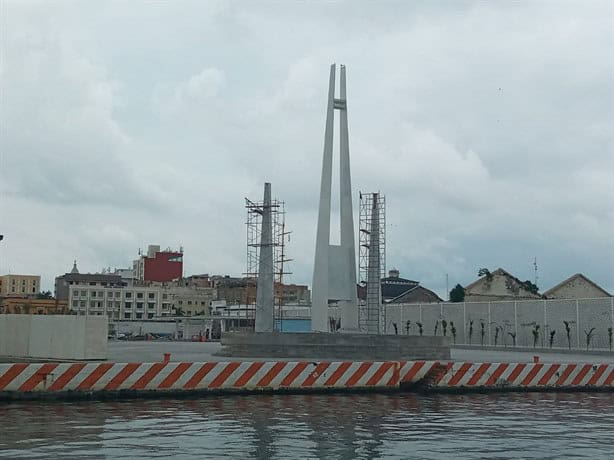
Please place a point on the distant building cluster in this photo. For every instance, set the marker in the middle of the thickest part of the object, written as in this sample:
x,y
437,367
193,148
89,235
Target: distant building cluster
x,y
156,288
153,288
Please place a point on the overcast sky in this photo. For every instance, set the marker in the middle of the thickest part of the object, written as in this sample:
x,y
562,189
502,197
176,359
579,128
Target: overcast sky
x,y
487,125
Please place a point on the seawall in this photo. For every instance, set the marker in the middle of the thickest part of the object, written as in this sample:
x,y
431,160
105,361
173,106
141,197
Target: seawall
x,y
135,380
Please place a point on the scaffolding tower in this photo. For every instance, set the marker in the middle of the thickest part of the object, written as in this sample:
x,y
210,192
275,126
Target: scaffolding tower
x,y
279,237
372,261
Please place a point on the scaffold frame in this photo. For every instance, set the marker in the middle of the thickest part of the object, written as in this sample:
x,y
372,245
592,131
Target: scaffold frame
x,y
372,217
253,245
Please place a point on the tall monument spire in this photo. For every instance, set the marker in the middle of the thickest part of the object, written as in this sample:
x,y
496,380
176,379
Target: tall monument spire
x,y
265,290
334,271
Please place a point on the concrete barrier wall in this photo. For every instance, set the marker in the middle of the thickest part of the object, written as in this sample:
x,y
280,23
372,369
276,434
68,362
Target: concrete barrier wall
x,y
185,376
435,375
335,346
506,318
133,379
61,337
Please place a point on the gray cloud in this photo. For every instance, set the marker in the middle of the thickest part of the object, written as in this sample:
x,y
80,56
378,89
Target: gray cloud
x,y
488,126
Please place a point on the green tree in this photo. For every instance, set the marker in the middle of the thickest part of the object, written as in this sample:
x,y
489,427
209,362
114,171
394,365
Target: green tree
x,y
529,286
485,271
457,294
44,295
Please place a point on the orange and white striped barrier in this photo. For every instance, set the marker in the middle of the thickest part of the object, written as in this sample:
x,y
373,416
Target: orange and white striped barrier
x,y
39,380
459,375
185,376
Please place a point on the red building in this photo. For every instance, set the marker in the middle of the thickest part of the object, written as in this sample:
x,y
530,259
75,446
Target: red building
x,y
159,265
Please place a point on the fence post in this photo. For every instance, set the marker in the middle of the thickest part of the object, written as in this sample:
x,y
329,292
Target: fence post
x,y
545,327
465,322
516,322
577,324
489,332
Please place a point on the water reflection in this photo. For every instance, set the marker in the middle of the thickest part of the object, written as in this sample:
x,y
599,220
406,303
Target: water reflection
x,y
511,425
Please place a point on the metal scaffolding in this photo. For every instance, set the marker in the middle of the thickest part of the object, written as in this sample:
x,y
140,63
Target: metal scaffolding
x,y
372,261
279,237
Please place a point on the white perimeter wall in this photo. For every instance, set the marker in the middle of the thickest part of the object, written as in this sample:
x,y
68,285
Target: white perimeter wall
x,y
53,336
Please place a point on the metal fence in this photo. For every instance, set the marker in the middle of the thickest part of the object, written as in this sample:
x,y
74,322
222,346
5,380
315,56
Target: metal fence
x,y
522,323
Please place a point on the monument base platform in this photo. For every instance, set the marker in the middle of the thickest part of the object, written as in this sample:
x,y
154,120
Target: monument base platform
x,y
334,346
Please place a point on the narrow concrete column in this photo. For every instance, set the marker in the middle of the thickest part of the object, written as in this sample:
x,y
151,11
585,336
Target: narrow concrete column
x,y
264,295
319,293
349,307
374,297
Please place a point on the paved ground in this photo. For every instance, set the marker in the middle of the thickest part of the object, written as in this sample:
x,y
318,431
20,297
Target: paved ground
x,y
124,351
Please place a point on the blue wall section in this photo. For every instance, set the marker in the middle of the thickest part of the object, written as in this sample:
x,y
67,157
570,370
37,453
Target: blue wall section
x,y
293,325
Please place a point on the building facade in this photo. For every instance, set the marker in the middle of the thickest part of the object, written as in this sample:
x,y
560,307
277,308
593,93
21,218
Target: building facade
x,y
19,285
159,266
32,306
65,282
138,302
576,286
498,285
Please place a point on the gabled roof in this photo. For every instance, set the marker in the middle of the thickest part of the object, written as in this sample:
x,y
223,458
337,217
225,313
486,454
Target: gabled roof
x,y
415,291
572,278
498,271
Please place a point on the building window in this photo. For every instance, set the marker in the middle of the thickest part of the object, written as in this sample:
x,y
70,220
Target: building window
x,y
128,295
139,305
75,303
118,294
151,295
109,305
139,316
150,315
128,305
93,294
127,315
139,295
83,293
151,305
165,296
100,294
83,303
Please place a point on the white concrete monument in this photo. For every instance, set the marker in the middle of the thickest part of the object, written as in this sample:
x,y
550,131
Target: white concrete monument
x,y
334,271
265,291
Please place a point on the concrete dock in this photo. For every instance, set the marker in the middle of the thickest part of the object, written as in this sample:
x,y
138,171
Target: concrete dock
x,y
165,368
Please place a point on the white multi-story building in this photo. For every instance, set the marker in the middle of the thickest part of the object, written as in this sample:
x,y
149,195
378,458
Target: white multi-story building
x,y
139,302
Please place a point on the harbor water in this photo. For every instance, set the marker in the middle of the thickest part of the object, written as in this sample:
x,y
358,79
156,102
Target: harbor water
x,y
335,426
